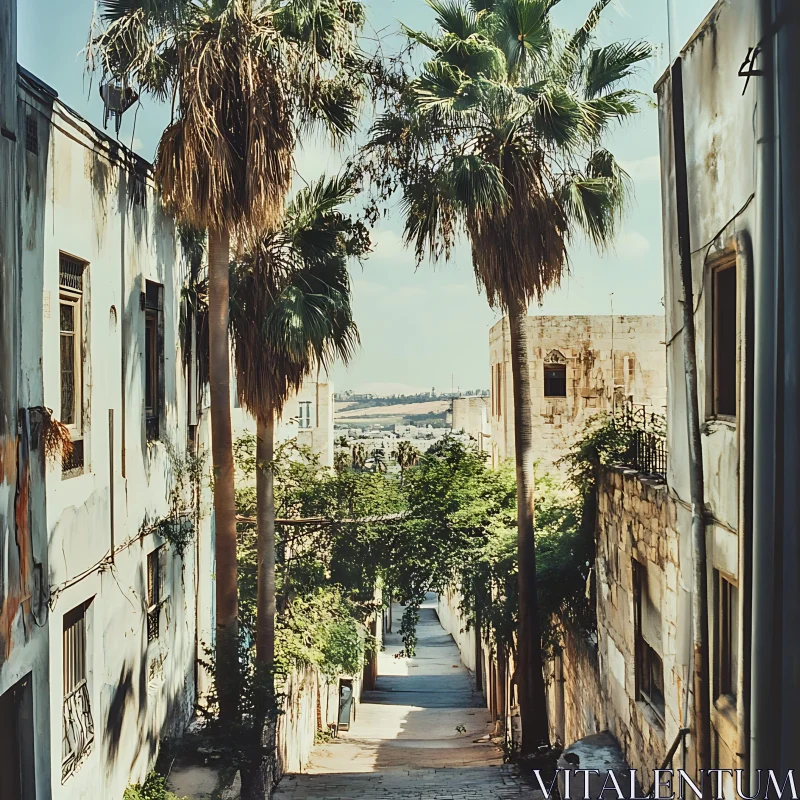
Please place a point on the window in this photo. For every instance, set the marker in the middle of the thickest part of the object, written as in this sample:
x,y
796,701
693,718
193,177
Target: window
x,y
649,667
555,374
555,380
70,315
498,390
31,134
305,414
153,359
724,339
727,623
154,594
78,727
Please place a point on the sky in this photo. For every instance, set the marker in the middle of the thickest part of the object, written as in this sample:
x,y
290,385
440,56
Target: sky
x,y
422,327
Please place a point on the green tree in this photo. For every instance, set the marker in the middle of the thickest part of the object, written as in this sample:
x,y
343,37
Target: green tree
x,y
501,137
242,76
407,456
290,316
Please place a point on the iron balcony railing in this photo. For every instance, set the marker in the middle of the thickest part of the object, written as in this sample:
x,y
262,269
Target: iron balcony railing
x,y
78,730
647,433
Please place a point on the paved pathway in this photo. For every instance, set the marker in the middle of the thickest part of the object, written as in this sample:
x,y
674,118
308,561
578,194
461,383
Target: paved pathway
x,y
414,737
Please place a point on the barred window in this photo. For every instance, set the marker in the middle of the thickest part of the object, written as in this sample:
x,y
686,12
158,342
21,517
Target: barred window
x,y
78,725
154,593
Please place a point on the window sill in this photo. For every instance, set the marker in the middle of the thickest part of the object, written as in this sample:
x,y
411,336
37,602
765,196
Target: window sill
x,y
720,421
651,716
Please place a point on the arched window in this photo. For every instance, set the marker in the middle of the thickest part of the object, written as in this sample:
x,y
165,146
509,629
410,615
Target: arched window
x,y
555,374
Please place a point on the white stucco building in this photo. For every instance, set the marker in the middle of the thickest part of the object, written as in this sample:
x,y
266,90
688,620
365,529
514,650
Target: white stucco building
x,y
103,612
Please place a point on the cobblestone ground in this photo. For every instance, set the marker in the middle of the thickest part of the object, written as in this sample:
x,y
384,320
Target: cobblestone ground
x,y
421,735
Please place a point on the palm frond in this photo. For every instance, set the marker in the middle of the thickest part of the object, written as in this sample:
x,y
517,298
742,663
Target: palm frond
x,y
557,116
452,16
609,65
477,184
581,39
523,31
290,305
593,204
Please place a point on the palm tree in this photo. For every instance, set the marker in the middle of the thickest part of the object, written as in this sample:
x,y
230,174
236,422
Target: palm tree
x,y
290,315
240,75
407,456
501,137
359,457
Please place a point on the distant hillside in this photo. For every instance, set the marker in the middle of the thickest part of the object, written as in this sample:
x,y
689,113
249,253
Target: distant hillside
x,y
366,410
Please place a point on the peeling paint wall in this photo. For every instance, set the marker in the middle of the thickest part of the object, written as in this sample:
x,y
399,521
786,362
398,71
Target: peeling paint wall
x,y
721,166
604,356
23,532
83,195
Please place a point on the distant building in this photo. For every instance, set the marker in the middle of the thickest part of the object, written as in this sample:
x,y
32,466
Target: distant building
x,y
470,415
579,366
307,417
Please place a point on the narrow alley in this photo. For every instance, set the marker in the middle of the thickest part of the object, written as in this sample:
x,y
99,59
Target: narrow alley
x,y
422,734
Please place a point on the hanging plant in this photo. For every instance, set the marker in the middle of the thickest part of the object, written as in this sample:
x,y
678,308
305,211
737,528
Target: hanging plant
x,y
56,438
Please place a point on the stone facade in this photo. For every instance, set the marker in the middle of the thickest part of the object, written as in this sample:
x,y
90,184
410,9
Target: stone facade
x,y
603,360
575,701
637,527
307,417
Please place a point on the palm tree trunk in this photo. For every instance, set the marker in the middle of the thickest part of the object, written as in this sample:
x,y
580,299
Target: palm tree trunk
x,y
530,677
258,775
224,497
265,501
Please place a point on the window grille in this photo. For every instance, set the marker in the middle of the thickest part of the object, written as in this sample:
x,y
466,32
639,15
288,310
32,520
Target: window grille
x,y
70,273
153,594
73,464
31,134
78,725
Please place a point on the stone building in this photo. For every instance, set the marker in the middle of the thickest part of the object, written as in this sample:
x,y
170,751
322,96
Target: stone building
x,y
307,417
470,415
579,366
102,614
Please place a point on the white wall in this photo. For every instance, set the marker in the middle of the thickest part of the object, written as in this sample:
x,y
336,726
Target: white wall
x,y
81,203
721,158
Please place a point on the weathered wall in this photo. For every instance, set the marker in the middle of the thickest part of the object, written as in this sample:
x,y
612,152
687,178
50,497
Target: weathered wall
x,y
638,519
604,356
24,612
574,700
723,201
85,196
310,704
